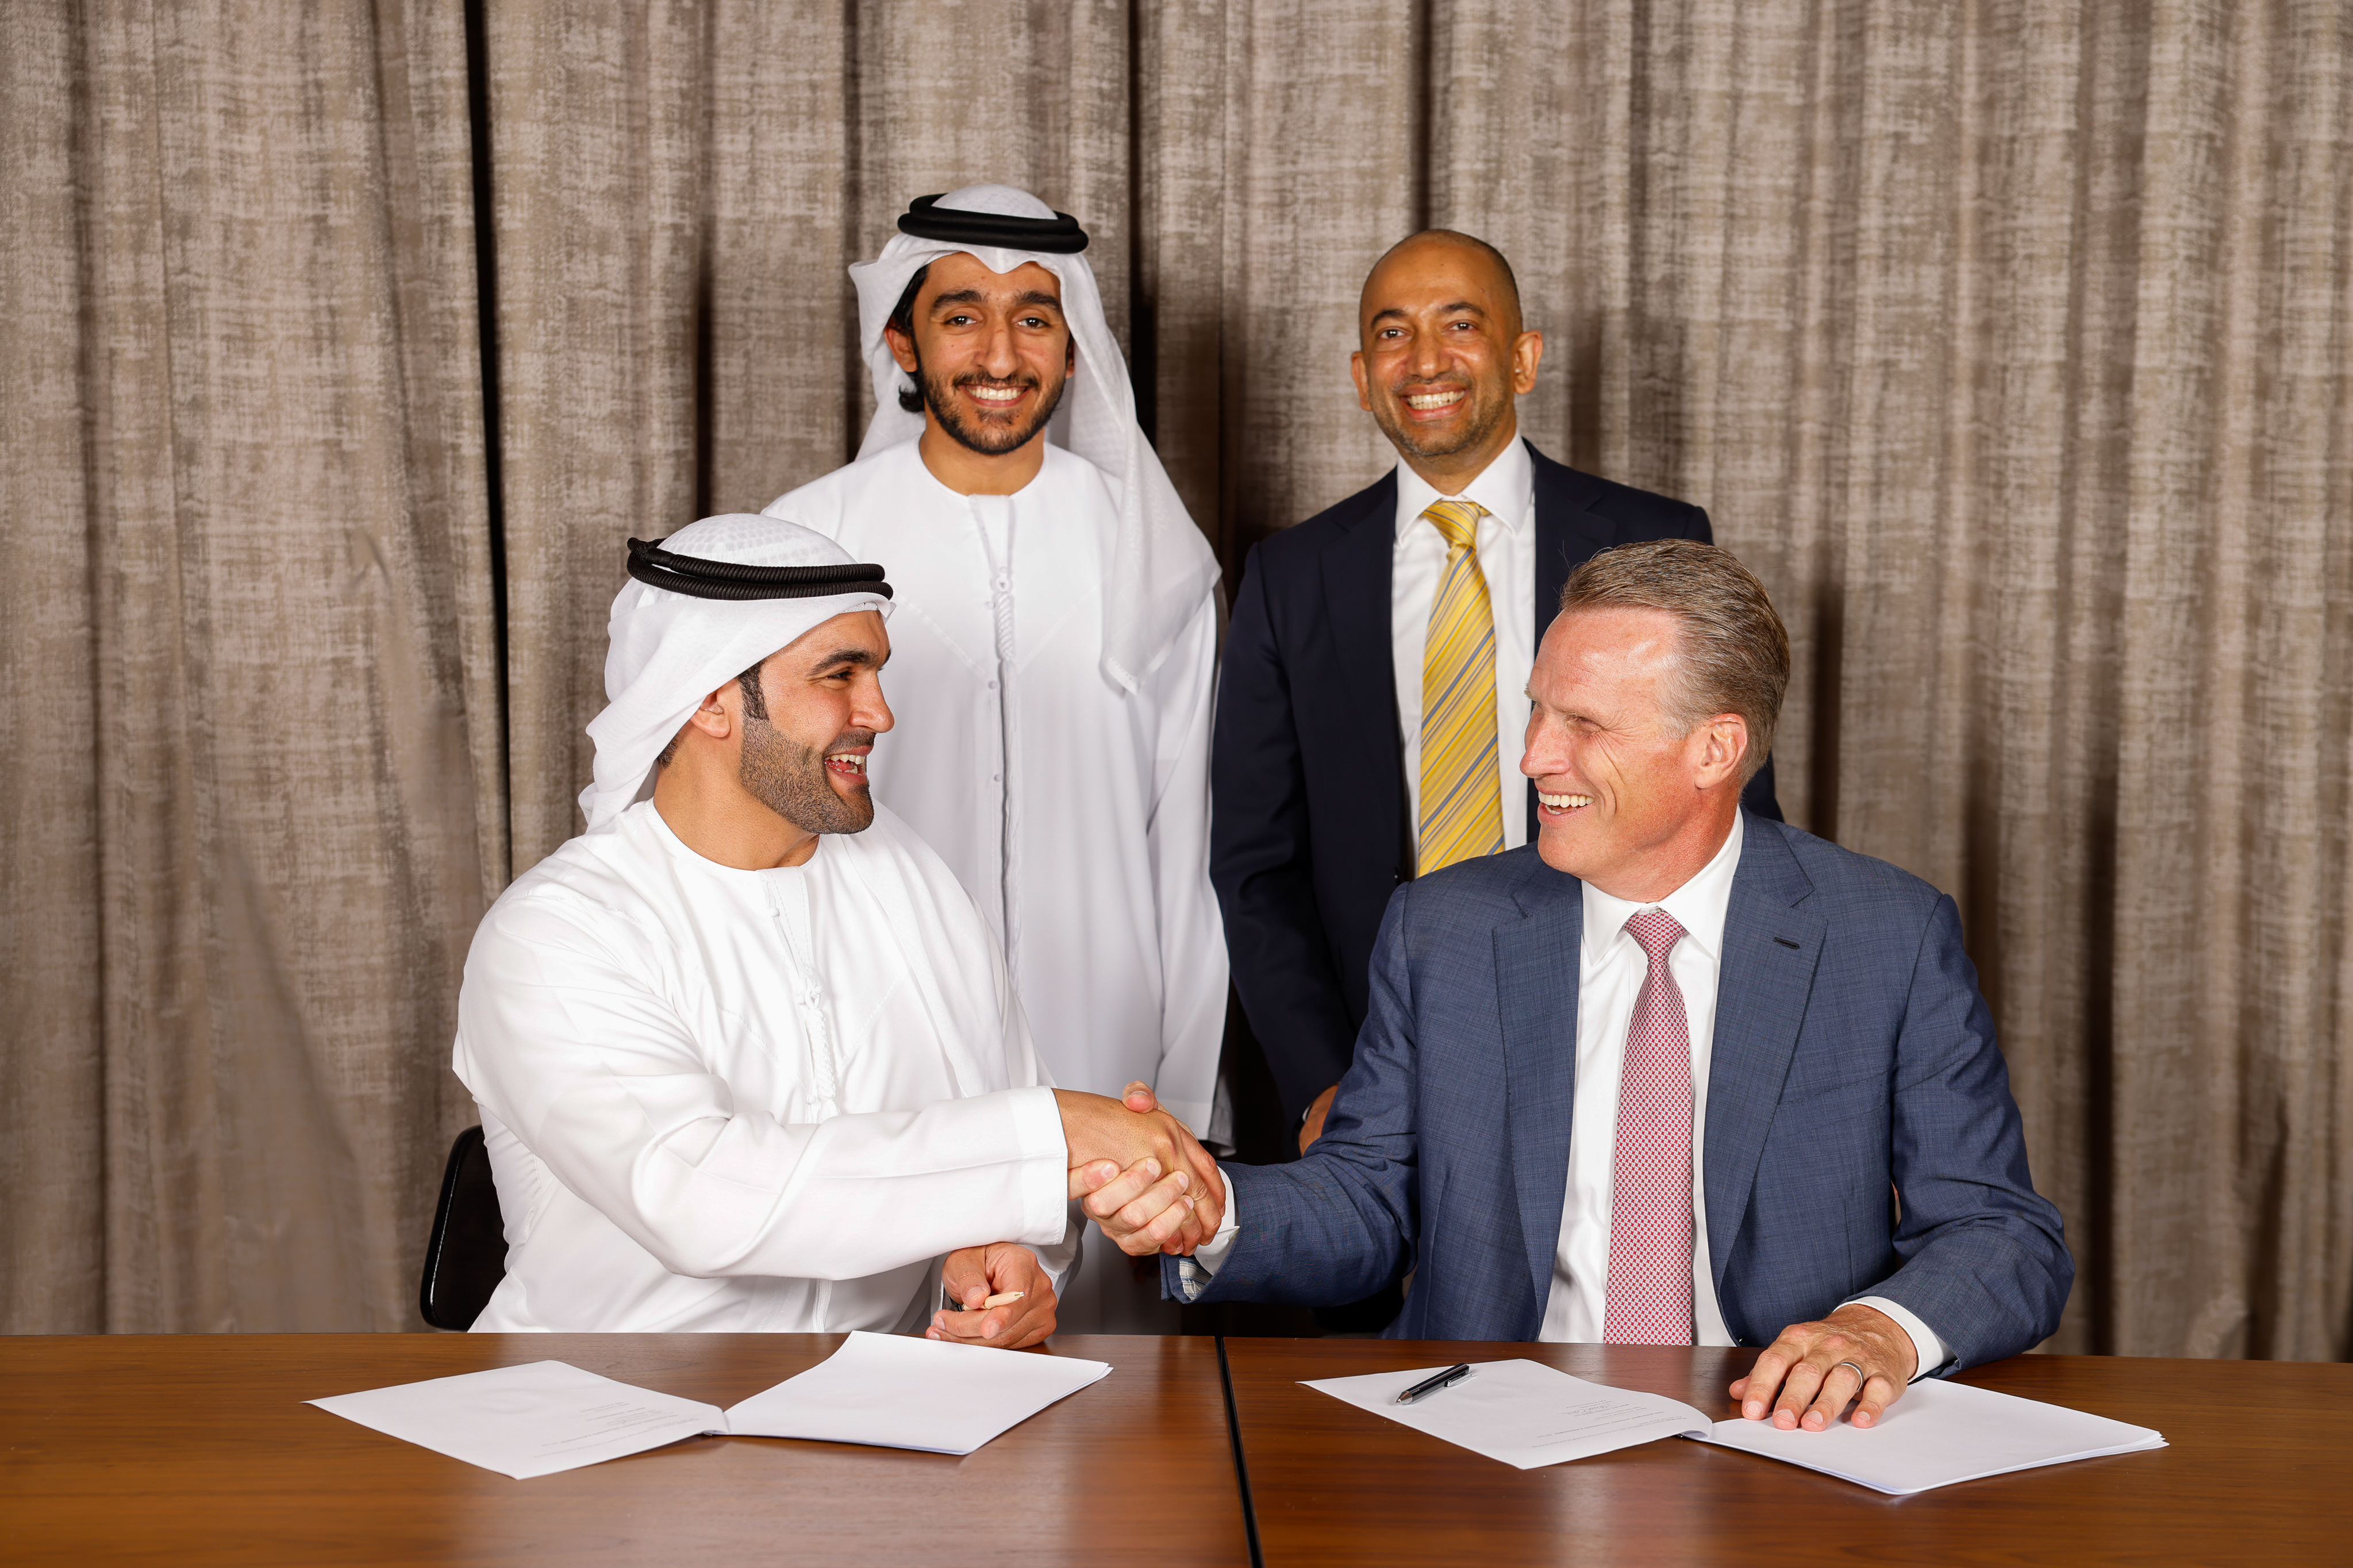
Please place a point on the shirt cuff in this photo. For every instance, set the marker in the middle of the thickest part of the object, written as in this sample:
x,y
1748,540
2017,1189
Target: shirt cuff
x,y
1926,1347
1046,1159
1196,1272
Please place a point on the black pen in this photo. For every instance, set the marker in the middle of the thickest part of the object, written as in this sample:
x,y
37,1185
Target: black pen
x,y
1446,1379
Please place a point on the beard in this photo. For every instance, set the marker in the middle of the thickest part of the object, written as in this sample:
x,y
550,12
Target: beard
x,y
1484,417
790,779
990,438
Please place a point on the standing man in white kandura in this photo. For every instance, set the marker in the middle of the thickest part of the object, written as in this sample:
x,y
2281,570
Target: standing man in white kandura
x,y
1056,639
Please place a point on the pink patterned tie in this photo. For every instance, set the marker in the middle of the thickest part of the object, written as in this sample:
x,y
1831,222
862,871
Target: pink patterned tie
x,y
1651,1203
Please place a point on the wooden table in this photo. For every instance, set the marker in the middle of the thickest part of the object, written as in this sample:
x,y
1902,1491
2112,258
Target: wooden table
x,y
197,1449
2260,1470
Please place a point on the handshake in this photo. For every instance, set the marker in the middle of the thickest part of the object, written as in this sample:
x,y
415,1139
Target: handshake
x,y
1140,1173
1136,1170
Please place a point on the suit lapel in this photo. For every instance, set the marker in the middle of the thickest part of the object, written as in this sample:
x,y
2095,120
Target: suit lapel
x,y
1357,571
1535,988
1771,946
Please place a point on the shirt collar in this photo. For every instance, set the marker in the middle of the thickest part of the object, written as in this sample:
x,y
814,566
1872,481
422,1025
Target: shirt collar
x,y
1698,906
1506,488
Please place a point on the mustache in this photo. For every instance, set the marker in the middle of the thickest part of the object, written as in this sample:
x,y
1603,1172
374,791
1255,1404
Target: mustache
x,y
981,378
848,739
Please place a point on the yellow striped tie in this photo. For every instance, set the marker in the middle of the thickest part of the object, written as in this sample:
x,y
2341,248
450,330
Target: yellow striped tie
x,y
1461,809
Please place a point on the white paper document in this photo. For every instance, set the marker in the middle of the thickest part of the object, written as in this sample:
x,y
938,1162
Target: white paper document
x,y
879,1389
1939,1433
530,1420
1521,1412
901,1393
1528,1415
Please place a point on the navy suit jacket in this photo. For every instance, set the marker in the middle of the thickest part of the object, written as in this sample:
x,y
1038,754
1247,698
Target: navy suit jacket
x,y
1851,1051
1308,827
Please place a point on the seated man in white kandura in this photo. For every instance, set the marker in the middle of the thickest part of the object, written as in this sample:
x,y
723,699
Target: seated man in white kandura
x,y
745,1061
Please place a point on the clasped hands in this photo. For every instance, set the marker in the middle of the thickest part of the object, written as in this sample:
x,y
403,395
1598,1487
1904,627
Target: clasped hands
x,y
1140,1173
1135,1170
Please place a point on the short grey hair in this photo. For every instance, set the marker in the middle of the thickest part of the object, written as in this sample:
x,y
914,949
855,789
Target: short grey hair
x,y
1735,652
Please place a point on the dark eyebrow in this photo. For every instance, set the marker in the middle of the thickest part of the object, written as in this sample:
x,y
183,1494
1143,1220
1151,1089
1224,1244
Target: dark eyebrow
x,y
852,657
975,297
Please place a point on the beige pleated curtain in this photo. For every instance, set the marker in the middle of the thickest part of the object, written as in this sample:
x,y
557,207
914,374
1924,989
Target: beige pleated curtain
x,y
2009,342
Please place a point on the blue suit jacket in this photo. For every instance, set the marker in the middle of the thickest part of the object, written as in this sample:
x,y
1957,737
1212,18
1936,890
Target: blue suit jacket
x,y
1852,1050
1308,830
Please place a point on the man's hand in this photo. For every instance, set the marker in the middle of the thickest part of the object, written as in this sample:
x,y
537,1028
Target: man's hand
x,y
1125,1134
1812,1368
1142,1211
973,1275
1313,1128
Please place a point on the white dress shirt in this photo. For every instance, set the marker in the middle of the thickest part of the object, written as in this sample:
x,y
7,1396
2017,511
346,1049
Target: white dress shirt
x,y
1611,967
1507,557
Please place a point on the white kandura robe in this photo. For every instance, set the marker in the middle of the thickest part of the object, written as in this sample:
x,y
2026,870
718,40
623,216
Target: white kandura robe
x,y
750,1101
1078,813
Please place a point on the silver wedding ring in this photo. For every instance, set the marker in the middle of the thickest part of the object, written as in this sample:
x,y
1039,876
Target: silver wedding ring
x,y
1860,1375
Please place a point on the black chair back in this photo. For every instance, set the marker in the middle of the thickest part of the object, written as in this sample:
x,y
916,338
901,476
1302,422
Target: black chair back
x,y
467,1254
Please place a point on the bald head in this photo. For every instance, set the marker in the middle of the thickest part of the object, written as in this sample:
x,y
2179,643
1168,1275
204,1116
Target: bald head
x,y
1443,353
1487,265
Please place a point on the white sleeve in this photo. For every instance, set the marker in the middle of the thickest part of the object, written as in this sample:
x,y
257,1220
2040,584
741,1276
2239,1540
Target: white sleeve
x,y
596,1074
1183,691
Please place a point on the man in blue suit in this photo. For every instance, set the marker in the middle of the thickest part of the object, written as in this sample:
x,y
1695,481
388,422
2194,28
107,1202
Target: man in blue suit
x,y
1675,1073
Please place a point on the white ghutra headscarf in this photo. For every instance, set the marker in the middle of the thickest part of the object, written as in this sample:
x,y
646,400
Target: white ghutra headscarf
x,y
674,645
1160,566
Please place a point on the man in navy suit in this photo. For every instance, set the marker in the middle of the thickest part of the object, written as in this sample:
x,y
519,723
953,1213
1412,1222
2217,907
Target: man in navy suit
x,y
1675,1073
1315,774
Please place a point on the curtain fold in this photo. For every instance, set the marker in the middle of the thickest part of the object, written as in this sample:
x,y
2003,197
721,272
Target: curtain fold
x,y
596,131
2008,343
246,853
52,1088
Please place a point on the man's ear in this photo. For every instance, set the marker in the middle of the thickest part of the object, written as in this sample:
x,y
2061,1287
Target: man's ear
x,y
1527,353
1723,741
902,347
713,715
1356,373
